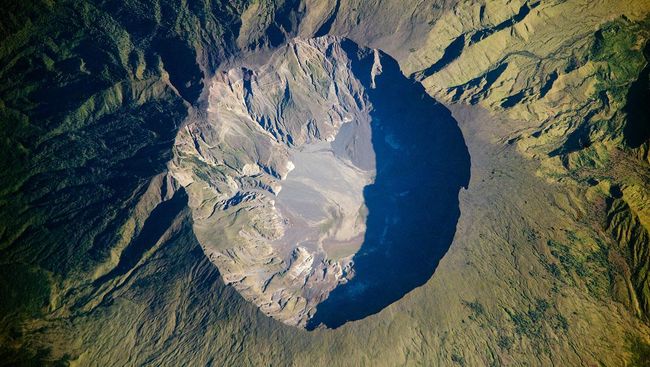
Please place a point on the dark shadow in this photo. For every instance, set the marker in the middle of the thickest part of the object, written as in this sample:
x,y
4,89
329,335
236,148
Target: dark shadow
x,y
580,138
327,26
637,128
521,14
154,227
422,162
452,52
179,59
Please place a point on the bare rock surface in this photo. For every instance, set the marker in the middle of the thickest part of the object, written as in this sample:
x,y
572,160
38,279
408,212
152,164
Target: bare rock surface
x,y
276,173
280,170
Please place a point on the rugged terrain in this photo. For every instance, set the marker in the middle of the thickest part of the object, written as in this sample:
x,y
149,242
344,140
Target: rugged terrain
x,y
320,168
117,195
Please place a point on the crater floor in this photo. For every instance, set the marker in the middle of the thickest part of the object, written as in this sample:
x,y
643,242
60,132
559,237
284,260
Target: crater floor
x,y
323,184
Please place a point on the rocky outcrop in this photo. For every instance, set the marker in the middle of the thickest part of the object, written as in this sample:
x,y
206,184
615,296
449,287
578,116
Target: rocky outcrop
x,y
273,181
297,180
627,220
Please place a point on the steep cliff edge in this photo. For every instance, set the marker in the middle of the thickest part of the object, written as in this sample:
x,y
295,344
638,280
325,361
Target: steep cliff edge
x,y
268,189
293,165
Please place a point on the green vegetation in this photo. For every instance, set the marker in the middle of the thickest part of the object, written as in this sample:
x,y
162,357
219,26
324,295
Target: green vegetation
x,y
458,359
567,259
640,351
24,357
533,323
476,308
25,291
530,323
588,267
504,342
618,46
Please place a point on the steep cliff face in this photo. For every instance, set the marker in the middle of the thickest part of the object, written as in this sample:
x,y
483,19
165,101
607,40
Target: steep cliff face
x,y
268,187
280,173
627,218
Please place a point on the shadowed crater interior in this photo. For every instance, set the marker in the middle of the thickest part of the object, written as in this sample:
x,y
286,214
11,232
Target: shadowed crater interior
x,y
421,164
323,183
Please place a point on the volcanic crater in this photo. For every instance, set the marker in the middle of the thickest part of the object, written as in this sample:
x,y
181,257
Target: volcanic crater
x,y
323,183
